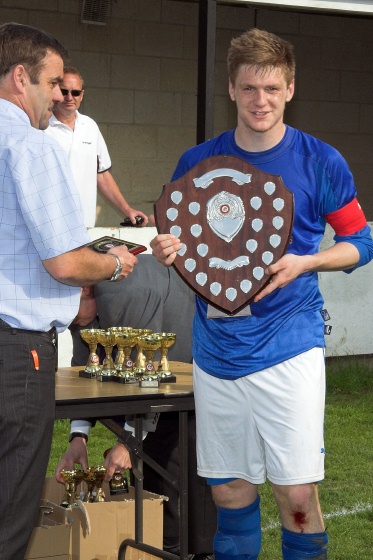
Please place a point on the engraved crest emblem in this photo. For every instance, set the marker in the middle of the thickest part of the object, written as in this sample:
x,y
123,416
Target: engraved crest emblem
x,y
233,221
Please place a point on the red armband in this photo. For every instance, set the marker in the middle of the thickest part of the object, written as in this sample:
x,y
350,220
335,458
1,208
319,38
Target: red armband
x,y
347,220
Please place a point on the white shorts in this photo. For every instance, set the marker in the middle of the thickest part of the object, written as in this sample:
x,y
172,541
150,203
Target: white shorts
x,y
267,424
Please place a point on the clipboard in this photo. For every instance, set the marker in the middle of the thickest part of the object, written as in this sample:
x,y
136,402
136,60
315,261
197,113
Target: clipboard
x,y
103,244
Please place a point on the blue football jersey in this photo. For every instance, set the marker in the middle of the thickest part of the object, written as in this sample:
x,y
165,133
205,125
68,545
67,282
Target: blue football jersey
x,y
288,321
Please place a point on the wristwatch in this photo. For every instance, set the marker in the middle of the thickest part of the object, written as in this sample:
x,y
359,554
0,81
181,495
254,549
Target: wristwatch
x,y
118,268
78,434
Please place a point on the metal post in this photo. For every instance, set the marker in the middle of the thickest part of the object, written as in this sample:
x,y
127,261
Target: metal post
x,y
206,67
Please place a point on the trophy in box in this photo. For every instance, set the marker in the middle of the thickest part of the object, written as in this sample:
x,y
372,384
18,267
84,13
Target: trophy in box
x,y
71,479
89,478
100,473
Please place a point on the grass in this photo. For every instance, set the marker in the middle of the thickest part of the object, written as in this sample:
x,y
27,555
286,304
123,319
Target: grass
x,y
346,494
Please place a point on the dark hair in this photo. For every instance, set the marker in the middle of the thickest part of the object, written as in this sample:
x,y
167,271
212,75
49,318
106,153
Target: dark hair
x,y
263,50
22,44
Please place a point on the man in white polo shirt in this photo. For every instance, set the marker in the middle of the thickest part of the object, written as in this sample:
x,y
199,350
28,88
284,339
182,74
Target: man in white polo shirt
x,y
81,139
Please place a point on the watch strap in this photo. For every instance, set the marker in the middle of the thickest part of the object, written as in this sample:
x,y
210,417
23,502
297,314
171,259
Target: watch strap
x,y
78,434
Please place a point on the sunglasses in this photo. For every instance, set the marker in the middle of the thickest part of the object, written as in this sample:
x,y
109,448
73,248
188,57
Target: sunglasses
x,y
74,92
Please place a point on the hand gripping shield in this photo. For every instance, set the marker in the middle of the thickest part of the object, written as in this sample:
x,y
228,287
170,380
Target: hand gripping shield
x,y
233,220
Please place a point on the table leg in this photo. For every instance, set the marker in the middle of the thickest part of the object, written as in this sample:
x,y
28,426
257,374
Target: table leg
x,y
134,445
183,483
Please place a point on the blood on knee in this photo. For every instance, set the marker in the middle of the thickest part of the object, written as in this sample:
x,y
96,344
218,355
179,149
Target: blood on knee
x,y
300,520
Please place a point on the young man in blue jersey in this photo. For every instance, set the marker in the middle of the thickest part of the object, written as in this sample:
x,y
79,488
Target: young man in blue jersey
x,y
259,379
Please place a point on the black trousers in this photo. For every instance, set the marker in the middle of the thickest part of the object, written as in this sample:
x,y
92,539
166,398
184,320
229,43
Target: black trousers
x,y
162,446
27,405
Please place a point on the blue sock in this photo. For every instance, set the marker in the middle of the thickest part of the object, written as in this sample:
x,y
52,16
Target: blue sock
x,y
297,546
238,536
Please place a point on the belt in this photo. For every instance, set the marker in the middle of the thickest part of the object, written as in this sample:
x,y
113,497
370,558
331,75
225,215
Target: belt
x,y
51,334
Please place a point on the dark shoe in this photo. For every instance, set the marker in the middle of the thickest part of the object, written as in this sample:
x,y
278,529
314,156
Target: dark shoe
x,y
202,556
172,549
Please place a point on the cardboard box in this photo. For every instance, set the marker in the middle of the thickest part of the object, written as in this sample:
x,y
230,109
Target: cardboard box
x,y
99,528
52,537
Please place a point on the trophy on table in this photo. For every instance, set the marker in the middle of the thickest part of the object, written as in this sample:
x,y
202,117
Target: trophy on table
x,y
107,339
148,345
166,375
71,479
125,340
93,368
139,365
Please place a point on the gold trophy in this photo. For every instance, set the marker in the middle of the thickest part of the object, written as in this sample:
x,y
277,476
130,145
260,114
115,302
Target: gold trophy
x,y
93,368
90,480
94,477
125,341
139,365
148,345
107,339
99,475
166,375
71,480
118,483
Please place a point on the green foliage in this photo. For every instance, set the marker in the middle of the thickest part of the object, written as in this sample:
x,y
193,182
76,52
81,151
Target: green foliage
x,y
346,494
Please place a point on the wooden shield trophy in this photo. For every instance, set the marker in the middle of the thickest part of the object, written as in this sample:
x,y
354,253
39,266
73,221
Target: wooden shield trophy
x,y
233,221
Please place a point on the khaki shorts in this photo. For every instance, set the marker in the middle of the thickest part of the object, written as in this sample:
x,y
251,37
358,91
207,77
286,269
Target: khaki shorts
x,y
269,424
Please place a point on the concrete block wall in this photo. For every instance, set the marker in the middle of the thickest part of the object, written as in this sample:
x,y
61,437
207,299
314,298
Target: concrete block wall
x,y
141,82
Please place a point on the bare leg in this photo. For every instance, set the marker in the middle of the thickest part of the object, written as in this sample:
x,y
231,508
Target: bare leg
x,y
235,494
299,507
303,532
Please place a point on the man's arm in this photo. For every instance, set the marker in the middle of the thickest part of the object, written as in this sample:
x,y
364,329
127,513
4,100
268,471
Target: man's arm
x,y
117,459
76,454
110,190
85,267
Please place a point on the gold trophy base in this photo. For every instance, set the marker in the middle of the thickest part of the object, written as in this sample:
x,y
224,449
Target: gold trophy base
x,y
87,374
119,378
149,383
104,377
168,378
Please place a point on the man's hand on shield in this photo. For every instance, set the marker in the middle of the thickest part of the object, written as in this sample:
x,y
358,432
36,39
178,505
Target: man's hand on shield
x,y
165,247
284,271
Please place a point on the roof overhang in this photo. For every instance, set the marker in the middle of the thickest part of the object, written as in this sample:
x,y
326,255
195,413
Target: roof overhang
x,y
352,7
